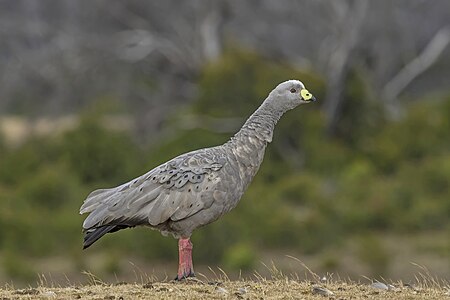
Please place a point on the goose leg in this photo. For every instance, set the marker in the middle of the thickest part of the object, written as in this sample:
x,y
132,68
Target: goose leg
x,y
185,267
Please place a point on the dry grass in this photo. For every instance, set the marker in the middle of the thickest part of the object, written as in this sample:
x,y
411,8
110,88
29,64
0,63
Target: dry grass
x,y
260,289
279,286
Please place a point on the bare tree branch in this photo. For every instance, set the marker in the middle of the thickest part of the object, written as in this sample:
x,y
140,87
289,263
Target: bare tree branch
x,y
341,47
417,66
210,33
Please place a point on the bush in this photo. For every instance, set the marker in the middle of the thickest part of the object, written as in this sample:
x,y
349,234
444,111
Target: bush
x,y
96,154
240,257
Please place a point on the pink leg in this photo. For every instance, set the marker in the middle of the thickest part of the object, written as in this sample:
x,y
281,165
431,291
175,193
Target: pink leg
x,y
185,268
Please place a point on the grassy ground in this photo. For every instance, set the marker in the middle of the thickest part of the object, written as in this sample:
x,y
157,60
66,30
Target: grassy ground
x,y
283,288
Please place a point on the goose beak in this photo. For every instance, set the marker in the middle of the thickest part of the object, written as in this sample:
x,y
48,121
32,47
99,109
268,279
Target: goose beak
x,y
307,96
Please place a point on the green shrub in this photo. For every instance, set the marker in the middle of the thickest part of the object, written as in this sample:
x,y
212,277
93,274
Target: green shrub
x,y
374,254
96,154
51,187
19,164
240,257
16,267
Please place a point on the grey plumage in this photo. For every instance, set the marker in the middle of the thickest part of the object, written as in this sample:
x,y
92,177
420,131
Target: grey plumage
x,y
195,188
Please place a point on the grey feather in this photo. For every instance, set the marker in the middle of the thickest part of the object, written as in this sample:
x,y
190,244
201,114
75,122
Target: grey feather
x,y
195,188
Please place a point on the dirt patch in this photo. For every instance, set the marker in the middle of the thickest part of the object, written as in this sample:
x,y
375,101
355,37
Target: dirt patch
x,y
263,289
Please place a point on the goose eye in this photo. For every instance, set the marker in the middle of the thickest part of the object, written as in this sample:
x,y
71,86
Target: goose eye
x,y
293,90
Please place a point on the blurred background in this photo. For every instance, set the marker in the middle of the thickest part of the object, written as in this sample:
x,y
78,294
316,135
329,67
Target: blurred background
x,y
95,93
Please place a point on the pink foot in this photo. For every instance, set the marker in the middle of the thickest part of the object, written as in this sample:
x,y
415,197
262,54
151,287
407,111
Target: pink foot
x,y
185,267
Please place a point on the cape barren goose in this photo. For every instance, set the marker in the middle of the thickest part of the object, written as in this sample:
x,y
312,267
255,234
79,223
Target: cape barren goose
x,y
193,189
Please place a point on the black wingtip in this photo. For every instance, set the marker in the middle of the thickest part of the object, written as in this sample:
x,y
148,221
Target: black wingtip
x,y
92,235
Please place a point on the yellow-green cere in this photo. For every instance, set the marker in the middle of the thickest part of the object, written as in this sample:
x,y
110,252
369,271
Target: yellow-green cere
x,y
306,95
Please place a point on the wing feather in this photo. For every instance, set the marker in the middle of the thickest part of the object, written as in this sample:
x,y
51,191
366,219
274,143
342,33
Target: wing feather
x,y
173,191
